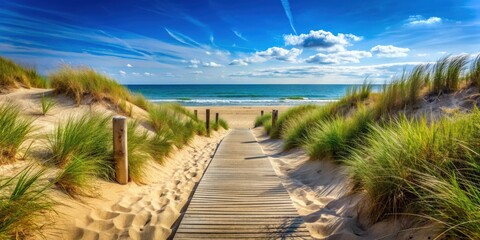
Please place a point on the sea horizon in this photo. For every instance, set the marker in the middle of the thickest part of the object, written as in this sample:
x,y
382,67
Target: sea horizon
x,y
243,94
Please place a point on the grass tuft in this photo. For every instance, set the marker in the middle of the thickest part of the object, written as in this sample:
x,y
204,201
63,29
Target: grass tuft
x,y
47,104
12,75
78,82
85,137
14,130
24,204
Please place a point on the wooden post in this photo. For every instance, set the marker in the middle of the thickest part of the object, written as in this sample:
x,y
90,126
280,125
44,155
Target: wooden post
x,y
261,113
274,117
120,152
207,120
196,113
216,118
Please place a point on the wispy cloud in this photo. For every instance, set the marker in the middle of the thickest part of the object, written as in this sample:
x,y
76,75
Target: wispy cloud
x,y
212,64
338,57
239,35
379,72
182,38
288,12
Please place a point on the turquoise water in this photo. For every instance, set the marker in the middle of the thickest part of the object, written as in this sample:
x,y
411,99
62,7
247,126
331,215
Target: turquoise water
x,y
242,95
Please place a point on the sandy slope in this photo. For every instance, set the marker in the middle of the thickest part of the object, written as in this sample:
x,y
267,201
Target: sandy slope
x,y
127,212
321,192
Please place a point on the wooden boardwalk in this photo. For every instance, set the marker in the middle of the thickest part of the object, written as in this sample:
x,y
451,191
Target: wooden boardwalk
x,y
241,197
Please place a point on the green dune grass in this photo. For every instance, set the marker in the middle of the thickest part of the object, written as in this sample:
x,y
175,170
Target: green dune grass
x,y
407,167
13,75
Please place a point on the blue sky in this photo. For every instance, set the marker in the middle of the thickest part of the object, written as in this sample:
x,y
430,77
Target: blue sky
x,y
234,42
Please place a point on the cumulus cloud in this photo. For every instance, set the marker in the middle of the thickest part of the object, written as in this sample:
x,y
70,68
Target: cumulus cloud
x,y
148,74
212,64
198,72
389,51
276,53
338,57
416,20
123,73
129,65
320,39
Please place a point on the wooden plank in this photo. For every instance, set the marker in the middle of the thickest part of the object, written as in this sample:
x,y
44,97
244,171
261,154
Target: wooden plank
x,y
241,197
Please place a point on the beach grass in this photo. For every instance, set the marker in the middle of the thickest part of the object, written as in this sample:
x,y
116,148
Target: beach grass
x,y
47,104
406,166
447,73
14,131
260,120
85,137
24,204
333,138
79,82
13,75
221,124
428,169
138,152
290,115
77,177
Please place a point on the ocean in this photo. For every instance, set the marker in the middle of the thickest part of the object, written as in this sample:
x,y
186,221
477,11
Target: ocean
x,y
243,95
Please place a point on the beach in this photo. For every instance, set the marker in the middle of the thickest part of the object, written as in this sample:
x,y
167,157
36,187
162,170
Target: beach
x,y
237,116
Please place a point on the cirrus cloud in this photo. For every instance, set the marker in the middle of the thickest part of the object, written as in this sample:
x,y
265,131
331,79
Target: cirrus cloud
x,y
389,51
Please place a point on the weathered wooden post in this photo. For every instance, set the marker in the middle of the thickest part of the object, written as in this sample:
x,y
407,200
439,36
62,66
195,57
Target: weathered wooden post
x,y
196,113
120,152
274,117
216,118
261,113
207,120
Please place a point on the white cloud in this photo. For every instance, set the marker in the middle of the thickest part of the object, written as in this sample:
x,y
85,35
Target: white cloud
x,y
416,20
288,12
338,57
212,64
389,51
239,35
276,53
135,74
380,72
422,54
193,63
129,65
148,74
198,72
123,73
238,62
320,39
280,54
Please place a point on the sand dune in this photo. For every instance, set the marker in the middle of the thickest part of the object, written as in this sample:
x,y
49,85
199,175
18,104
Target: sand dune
x,y
321,192
126,212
